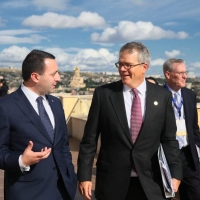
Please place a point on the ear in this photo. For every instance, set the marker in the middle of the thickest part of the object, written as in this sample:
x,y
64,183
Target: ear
x,y
145,67
35,77
167,75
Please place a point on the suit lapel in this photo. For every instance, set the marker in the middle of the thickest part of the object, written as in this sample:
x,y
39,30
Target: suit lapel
x,y
26,107
185,102
117,101
150,103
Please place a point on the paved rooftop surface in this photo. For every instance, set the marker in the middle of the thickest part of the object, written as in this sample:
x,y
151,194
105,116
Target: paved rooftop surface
x,y
74,146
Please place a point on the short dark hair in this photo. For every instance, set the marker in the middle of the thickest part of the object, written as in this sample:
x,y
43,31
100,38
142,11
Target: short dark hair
x,y
153,79
34,62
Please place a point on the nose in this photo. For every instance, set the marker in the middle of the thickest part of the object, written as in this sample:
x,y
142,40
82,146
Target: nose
x,y
122,68
57,78
184,75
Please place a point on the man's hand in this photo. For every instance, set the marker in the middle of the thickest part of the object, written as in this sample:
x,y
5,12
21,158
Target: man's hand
x,y
30,157
175,184
85,188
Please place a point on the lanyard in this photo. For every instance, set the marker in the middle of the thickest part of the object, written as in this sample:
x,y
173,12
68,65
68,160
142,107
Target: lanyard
x,y
178,107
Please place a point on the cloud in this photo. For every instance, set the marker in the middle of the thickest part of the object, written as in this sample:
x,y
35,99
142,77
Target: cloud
x,y
170,23
195,64
172,54
2,21
24,36
86,59
13,56
129,31
157,62
138,2
17,32
15,4
54,20
51,5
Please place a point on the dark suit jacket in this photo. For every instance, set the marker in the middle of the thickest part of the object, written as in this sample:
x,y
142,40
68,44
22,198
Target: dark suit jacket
x,y
191,119
19,123
117,153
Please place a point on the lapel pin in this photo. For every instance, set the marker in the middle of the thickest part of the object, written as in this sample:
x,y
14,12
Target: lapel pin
x,y
155,103
52,101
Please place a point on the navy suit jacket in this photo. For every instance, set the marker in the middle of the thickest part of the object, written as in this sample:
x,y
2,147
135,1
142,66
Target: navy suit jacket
x,y
19,123
191,119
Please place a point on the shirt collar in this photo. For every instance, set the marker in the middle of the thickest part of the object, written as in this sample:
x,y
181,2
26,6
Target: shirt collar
x,y
30,94
141,88
174,92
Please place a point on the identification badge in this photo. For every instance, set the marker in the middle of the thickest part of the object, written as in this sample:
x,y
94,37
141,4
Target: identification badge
x,y
181,128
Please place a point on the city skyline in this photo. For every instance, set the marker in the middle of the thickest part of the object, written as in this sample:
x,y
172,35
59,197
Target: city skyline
x,y
89,34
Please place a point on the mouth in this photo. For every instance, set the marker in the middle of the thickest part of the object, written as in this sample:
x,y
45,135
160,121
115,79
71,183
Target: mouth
x,y
124,75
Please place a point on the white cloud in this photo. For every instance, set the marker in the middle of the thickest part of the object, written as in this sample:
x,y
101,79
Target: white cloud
x,y
51,4
15,4
54,20
13,56
170,23
129,31
86,59
172,54
195,64
31,39
157,62
2,21
20,36
17,32
138,2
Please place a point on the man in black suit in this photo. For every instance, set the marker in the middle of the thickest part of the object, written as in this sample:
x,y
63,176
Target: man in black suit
x,y
34,147
184,105
133,117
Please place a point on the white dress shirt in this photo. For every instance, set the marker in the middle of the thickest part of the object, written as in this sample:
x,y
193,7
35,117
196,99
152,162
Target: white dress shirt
x,y
32,97
182,117
128,100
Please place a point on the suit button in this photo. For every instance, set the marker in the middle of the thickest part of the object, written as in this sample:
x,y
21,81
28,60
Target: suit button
x,y
54,168
129,167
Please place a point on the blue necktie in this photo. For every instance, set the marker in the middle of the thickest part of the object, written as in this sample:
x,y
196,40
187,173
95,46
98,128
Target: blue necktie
x,y
45,118
179,138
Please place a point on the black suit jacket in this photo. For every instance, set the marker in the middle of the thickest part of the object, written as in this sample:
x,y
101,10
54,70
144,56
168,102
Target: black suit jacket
x,y
19,123
191,119
117,153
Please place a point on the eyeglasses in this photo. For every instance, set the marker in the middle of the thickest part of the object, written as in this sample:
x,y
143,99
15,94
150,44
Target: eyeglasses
x,y
126,66
182,73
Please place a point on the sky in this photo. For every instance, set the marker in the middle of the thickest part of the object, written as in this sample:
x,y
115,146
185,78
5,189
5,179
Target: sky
x,y
89,33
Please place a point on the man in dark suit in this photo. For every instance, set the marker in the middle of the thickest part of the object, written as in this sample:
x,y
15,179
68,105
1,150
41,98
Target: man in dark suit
x,y
133,117
34,149
184,105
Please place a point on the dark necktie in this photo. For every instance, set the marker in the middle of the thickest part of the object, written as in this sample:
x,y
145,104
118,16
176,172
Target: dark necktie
x,y
45,118
136,116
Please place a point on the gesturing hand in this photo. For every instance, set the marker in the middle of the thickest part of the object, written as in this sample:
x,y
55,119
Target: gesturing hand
x,y
30,157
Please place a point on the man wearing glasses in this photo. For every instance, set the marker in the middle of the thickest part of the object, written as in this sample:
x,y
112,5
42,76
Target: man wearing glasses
x,y
188,135
133,116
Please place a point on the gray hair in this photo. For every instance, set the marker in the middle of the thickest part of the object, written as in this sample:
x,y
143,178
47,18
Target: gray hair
x,y
168,65
143,53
